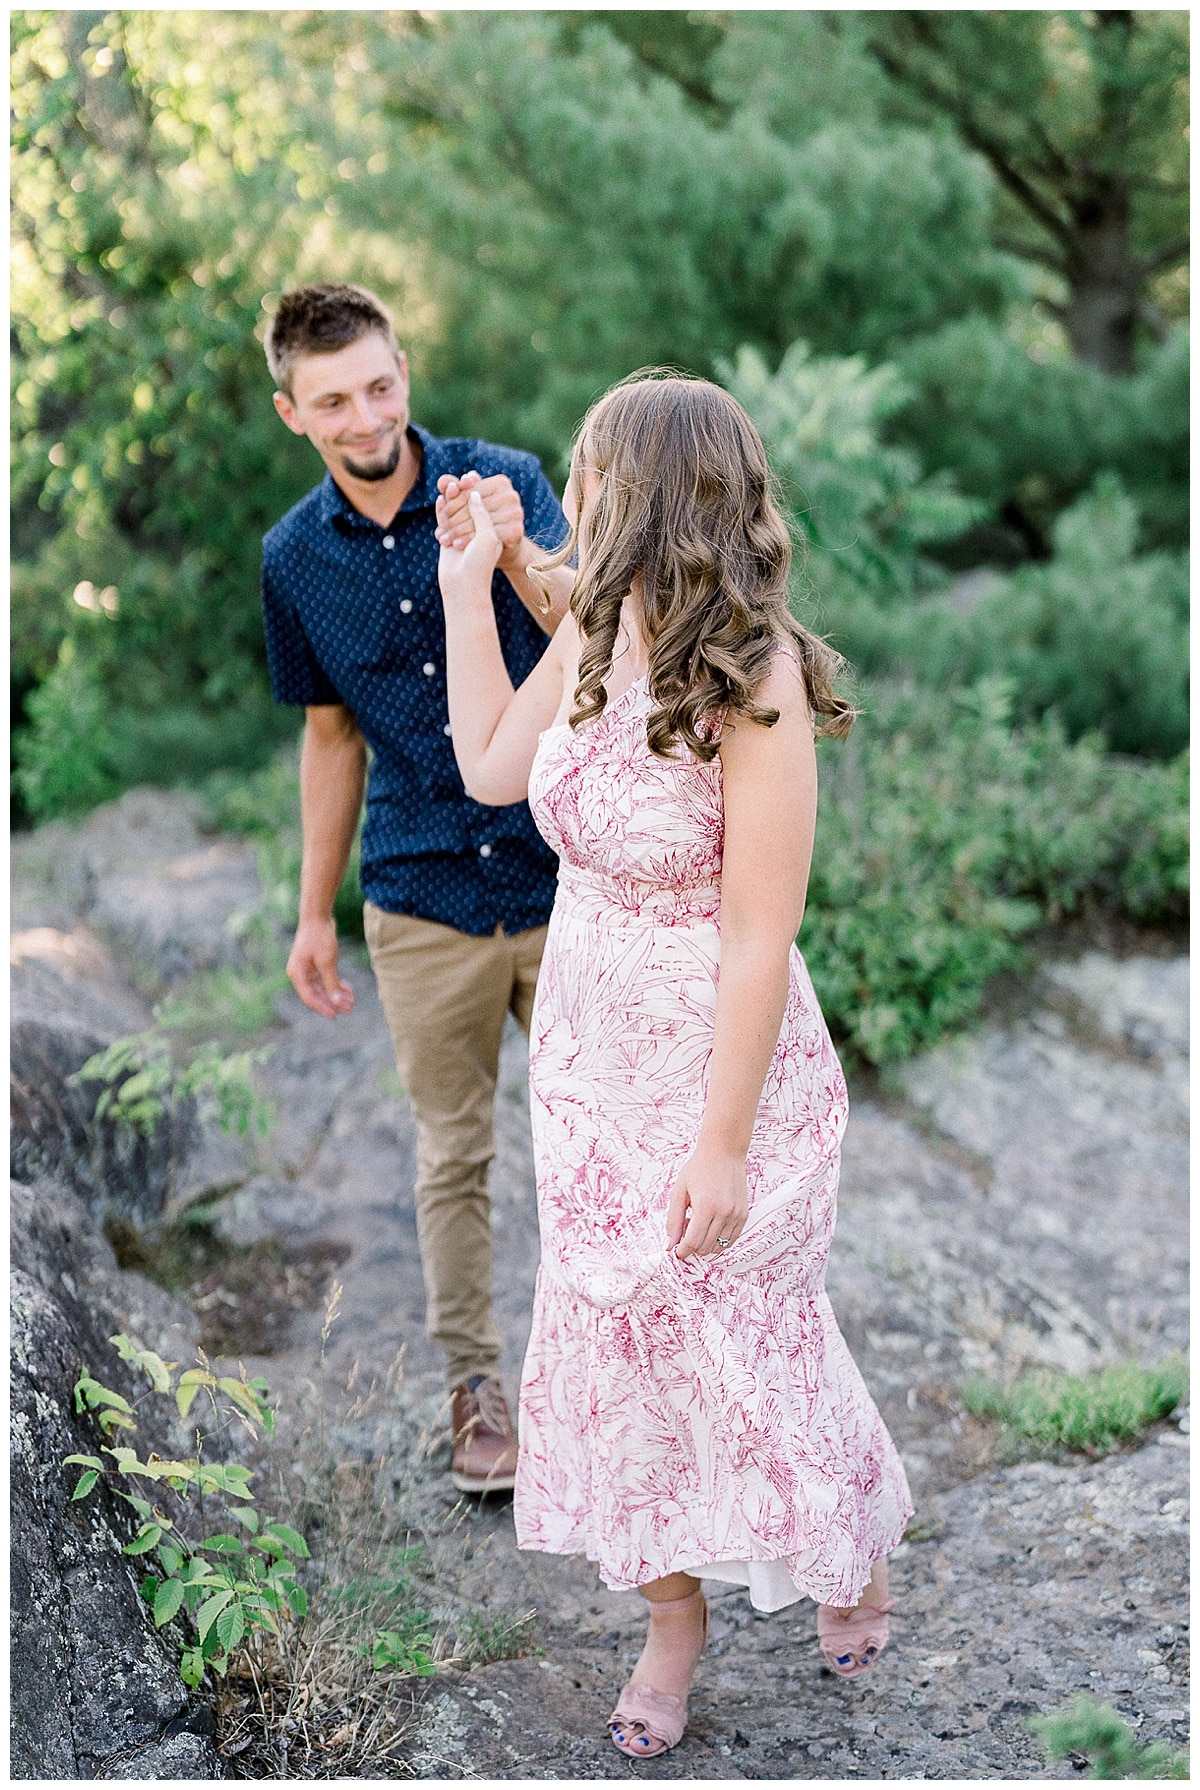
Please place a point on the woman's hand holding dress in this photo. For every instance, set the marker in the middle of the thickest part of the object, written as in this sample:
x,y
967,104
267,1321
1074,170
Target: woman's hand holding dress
x,y
709,1205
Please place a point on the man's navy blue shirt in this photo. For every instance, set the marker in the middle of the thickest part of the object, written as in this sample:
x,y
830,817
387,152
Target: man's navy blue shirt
x,y
353,615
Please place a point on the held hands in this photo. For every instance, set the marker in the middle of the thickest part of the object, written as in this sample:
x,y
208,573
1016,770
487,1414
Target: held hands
x,y
503,505
708,1201
312,969
466,562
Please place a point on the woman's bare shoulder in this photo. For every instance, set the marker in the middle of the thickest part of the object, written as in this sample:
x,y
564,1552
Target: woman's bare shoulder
x,y
783,689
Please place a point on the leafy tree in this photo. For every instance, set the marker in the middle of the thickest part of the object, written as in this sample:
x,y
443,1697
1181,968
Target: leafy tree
x,y
548,200
1082,117
713,232
1030,435
865,511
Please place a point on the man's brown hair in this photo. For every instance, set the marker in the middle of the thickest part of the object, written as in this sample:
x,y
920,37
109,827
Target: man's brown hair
x,y
321,319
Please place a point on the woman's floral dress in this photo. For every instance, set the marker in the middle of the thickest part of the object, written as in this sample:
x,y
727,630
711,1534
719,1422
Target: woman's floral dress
x,y
701,1416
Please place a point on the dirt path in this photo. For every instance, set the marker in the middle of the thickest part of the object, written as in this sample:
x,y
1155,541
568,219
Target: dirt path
x,y
1016,1197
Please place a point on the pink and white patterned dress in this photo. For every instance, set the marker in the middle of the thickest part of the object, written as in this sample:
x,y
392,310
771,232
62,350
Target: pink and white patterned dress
x,y
701,1416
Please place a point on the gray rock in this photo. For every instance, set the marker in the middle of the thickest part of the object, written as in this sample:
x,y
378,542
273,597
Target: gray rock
x,y
1039,1583
1015,1197
95,1689
1137,1003
142,871
1082,1152
68,1002
264,1207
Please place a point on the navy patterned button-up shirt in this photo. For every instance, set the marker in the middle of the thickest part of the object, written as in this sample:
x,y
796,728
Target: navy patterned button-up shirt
x,y
353,615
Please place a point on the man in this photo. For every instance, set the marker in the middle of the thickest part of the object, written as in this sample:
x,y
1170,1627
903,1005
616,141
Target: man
x,y
457,894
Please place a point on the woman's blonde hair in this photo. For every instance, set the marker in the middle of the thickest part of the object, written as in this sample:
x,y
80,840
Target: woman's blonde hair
x,y
686,503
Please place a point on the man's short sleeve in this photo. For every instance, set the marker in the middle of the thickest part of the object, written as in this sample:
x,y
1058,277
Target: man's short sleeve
x,y
545,523
296,673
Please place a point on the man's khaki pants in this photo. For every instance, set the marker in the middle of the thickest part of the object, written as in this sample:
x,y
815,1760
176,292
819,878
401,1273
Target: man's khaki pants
x,y
445,994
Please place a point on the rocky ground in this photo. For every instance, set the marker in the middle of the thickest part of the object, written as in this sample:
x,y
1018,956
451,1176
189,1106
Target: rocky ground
x,y
1014,1197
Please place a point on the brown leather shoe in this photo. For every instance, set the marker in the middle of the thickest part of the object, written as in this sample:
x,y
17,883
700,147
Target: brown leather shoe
x,y
485,1442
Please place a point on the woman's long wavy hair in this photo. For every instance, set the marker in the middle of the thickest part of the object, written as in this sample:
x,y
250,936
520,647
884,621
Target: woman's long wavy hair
x,y
686,505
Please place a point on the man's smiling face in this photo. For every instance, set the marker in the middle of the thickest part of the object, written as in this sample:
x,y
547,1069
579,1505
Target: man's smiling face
x,y
352,405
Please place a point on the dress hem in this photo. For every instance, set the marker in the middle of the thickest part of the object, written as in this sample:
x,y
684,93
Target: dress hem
x,y
697,1568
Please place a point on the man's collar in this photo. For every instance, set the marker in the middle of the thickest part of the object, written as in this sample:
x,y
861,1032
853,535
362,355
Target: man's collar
x,y
336,505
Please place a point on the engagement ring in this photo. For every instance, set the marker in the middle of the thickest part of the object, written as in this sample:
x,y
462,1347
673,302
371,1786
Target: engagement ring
x,y
723,1242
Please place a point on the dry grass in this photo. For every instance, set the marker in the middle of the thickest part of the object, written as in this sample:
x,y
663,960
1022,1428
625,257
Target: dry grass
x,y
349,1471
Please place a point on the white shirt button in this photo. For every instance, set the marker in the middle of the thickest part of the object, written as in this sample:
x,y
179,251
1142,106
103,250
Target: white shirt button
x,y
389,542
485,851
446,730
429,668
406,606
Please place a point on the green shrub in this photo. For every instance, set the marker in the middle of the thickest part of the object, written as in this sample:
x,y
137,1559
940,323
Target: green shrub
x,y
1092,1414
945,834
1096,635
65,758
1095,1730
1040,430
866,511
251,1582
265,806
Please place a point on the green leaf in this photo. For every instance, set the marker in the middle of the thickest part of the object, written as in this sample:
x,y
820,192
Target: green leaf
x,y
290,1538
84,1485
171,1559
114,1420
126,1459
95,1394
210,1610
247,1518
153,1366
224,1544
242,1395
143,1507
231,1626
191,1668
149,1586
189,1385
146,1539
298,1598
83,1460
167,1600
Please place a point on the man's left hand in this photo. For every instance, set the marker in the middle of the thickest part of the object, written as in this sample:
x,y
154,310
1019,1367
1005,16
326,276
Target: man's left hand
x,y
501,501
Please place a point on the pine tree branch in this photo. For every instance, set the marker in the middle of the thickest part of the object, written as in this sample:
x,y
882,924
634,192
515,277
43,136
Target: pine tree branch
x,y
1167,256
960,109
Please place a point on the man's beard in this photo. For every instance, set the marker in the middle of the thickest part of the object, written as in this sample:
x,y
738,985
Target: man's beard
x,y
381,469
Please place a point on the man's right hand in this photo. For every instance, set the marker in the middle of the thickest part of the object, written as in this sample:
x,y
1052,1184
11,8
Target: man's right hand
x,y
312,969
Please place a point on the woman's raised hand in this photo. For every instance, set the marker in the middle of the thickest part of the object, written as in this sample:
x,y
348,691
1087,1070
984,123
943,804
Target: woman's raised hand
x,y
466,570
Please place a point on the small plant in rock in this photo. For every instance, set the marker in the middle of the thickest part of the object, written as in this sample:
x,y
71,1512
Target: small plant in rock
x,y
1090,1414
1094,1731
484,1638
142,1082
197,1046
407,1653
220,1586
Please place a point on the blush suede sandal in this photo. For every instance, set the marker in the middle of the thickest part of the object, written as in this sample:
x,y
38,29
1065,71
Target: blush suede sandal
x,y
852,1644
647,1722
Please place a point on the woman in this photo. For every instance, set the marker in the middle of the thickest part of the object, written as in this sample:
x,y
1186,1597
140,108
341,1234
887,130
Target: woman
x,y
688,1405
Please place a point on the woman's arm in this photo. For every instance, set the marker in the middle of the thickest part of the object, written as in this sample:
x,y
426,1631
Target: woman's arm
x,y
770,789
494,728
